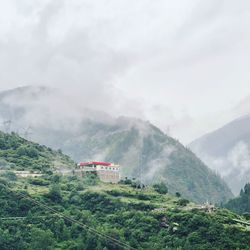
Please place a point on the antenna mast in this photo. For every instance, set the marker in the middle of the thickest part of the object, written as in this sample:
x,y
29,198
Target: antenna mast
x,y
7,126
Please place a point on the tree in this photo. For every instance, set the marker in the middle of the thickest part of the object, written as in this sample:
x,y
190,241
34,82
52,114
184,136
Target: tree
x,y
55,193
177,194
161,188
9,175
41,239
183,202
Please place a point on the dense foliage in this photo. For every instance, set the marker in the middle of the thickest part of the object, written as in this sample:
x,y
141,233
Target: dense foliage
x,y
143,219
19,154
55,212
240,204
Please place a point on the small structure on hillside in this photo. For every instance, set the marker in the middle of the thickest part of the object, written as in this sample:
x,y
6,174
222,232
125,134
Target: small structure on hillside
x,y
106,171
26,174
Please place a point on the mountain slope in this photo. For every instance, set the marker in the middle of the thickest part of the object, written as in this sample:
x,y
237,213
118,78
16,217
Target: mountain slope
x,y
78,215
226,150
147,153
240,204
17,153
143,150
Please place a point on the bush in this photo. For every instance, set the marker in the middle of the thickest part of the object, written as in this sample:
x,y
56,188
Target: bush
x,y
39,182
182,202
177,194
27,151
9,175
55,193
161,188
126,181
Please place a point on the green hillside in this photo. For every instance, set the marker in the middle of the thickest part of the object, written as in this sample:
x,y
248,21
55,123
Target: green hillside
x,y
240,204
56,212
141,149
146,152
17,153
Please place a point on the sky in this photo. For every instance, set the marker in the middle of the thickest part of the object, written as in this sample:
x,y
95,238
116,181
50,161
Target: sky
x,y
183,65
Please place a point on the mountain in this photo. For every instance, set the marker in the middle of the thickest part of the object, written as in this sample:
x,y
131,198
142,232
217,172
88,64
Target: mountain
x,y
144,152
52,212
226,150
240,204
17,153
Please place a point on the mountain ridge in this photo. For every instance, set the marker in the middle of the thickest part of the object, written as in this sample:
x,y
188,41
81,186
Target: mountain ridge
x,y
143,150
227,151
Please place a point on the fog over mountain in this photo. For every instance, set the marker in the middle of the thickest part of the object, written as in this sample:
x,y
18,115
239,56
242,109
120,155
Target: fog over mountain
x,y
124,124
227,151
183,66
143,150
177,64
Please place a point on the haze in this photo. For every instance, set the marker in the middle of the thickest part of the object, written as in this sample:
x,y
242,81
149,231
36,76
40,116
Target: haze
x,y
183,65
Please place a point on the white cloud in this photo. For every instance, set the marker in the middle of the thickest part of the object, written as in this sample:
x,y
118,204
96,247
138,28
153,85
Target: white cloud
x,y
173,62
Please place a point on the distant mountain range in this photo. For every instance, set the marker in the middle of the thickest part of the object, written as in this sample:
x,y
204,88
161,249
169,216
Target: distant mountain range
x,y
227,151
144,152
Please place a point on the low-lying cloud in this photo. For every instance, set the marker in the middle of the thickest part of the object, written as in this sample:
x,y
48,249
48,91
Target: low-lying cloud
x,y
234,167
150,59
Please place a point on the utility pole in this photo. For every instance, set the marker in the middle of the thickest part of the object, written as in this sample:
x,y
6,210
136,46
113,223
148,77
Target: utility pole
x,y
140,168
7,126
27,133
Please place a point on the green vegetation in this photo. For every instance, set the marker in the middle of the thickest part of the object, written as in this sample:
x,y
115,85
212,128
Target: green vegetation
x,y
17,153
58,212
140,218
161,188
133,144
240,204
140,147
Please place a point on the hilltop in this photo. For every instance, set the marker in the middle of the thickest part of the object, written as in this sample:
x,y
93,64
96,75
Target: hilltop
x,y
143,150
17,153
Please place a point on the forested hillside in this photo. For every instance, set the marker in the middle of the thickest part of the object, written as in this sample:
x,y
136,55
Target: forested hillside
x,y
17,153
53,212
142,149
241,204
56,212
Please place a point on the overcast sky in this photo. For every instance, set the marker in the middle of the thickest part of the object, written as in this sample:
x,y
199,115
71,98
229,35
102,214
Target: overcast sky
x,y
184,65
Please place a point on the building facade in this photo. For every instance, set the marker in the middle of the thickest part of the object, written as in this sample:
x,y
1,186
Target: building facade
x,y
106,171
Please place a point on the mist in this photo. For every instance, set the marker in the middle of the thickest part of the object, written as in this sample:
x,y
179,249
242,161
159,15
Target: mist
x,y
233,167
176,64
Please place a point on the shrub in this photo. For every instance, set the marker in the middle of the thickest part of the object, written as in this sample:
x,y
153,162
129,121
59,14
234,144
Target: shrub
x,y
55,193
183,202
177,194
39,182
9,175
161,188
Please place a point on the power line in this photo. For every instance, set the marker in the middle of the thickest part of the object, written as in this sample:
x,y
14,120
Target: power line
x,y
84,226
27,132
20,218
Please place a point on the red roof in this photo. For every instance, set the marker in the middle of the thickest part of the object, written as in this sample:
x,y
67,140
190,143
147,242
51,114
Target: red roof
x,y
102,163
